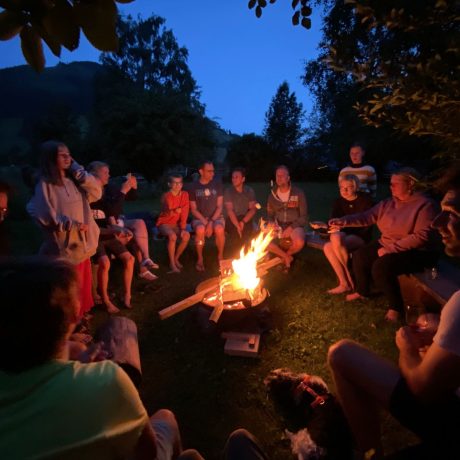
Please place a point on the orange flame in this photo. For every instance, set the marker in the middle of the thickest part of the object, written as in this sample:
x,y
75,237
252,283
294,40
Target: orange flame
x,y
245,268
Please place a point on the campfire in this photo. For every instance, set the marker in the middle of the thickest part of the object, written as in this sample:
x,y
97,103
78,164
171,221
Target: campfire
x,y
239,285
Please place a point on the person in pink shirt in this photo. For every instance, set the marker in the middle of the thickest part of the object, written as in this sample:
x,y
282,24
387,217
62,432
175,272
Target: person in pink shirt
x,y
172,220
407,243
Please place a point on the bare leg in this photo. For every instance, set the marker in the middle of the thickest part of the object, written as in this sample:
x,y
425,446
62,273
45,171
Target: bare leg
x,y
298,241
172,238
220,240
181,248
103,283
169,444
364,383
94,276
275,249
199,244
141,235
331,256
128,269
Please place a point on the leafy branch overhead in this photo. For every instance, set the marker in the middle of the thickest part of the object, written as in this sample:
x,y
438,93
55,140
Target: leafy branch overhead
x,y
302,11
58,23
407,58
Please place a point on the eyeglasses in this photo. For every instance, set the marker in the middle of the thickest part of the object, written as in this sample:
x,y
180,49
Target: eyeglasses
x,y
176,182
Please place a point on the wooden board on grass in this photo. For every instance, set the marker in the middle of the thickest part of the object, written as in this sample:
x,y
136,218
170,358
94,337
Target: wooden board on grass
x,y
241,344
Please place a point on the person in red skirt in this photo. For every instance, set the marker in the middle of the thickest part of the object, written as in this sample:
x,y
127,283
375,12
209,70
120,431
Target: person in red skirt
x,y
60,206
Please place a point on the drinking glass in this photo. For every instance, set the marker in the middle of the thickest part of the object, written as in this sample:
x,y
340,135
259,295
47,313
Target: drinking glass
x,y
413,313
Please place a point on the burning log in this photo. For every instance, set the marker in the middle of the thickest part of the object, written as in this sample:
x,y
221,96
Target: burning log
x,y
239,280
262,270
187,302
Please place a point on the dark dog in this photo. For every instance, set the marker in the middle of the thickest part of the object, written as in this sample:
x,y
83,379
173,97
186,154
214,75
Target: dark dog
x,y
305,402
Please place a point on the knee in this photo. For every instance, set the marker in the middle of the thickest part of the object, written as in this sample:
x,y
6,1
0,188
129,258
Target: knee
x,y
336,241
139,226
186,236
238,441
165,415
199,231
327,248
297,243
104,264
219,230
239,434
338,353
172,237
128,259
190,454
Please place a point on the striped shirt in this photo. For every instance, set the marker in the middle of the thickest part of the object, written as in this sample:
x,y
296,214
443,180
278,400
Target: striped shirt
x,y
366,175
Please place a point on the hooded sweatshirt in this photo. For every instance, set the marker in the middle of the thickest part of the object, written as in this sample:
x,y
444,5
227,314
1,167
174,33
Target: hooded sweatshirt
x,y
292,212
60,209
404,225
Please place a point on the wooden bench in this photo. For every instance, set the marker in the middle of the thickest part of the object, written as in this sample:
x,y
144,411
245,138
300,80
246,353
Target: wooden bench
x,y
313,240
417,288
420,288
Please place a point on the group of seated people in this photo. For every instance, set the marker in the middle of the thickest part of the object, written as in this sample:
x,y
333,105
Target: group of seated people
x,y
81,214
54,407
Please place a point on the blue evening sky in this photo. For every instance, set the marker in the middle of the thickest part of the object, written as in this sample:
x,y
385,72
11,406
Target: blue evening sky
x,y
237,60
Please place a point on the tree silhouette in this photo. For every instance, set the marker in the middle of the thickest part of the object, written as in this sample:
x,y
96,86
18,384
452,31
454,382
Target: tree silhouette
x,y
283,121
150,57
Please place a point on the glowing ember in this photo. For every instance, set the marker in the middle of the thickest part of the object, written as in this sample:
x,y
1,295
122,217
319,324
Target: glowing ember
x,y
245,268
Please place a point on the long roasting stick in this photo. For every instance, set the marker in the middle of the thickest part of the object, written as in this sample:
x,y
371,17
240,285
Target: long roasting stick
x,y
262,269
219,308
187,302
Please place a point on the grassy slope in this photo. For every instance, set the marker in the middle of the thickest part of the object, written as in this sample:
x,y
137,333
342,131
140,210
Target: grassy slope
x,y
212,393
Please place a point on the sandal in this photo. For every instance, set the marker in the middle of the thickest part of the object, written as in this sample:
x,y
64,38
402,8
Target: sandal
x,y
149,263
149,276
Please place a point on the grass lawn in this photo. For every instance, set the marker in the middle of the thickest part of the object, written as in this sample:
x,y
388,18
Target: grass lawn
x,y
212,393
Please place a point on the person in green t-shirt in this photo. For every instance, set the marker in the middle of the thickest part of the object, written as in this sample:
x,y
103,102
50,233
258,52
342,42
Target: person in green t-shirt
x,y
51,407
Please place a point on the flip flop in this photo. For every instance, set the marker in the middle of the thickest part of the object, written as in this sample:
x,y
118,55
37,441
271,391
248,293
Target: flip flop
x,y
149,263
149,276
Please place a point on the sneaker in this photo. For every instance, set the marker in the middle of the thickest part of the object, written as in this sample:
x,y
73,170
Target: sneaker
x,y
149,263
149,276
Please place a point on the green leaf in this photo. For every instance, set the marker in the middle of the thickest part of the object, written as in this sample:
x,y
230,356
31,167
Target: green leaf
x,y
305,11
252,4
11,24
294,4
124,1
306,22
258,11
263,3
51,41
98,21
32,48
272,1
59,22
296,18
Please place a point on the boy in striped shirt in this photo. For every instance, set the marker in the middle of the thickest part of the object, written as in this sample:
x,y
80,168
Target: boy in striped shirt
x,y
365,173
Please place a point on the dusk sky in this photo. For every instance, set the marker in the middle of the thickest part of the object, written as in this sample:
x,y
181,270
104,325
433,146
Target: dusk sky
x,y
237,60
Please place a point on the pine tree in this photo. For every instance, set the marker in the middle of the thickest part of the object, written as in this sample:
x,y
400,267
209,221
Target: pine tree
x,y
283,121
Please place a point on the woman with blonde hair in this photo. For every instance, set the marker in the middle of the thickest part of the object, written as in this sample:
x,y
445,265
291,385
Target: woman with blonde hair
x,y
407,243
347,239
